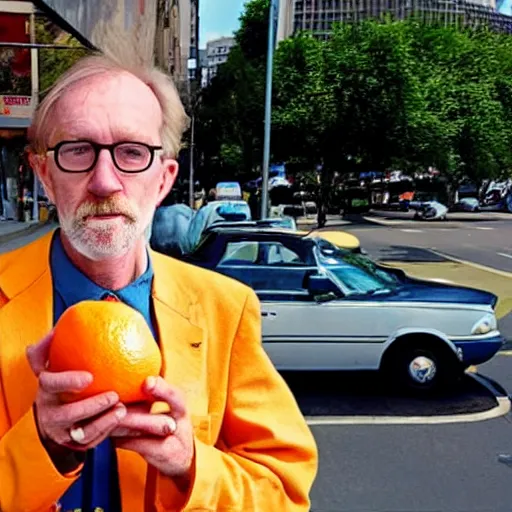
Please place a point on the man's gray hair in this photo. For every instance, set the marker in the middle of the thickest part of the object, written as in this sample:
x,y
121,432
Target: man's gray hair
x,y
174,117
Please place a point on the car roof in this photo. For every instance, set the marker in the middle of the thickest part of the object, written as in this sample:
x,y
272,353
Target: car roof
x,y
257,231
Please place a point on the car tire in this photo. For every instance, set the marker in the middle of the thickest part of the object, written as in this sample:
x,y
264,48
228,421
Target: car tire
x,y
422,369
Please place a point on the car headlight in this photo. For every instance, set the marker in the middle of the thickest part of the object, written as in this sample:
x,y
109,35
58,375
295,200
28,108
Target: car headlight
x,y
487,324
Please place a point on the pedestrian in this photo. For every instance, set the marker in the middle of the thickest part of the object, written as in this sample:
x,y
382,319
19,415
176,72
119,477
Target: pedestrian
x,y
104,143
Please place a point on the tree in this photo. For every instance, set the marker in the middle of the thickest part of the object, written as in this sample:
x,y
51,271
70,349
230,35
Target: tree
x,y
53,63
231,115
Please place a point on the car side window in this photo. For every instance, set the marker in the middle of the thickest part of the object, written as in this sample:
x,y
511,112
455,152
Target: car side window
x,y
278,254
241,253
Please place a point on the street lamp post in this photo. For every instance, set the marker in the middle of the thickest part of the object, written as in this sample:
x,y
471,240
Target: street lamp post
x,y
268,107
191,161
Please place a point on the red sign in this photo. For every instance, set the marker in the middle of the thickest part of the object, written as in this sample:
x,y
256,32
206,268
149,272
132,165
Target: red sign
x,y
16,62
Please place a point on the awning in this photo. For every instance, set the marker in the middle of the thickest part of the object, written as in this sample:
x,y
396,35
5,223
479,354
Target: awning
x,y
78,18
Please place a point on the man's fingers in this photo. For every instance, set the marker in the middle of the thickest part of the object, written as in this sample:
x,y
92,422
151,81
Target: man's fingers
x,y
160,390
37,354
125,432
143,447
82,410
159,425
91,434
64,382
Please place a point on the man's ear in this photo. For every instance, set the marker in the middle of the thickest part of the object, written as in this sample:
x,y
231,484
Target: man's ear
x,y
168,178
39,164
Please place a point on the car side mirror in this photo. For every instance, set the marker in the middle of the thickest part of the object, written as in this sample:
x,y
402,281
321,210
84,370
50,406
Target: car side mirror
x,y
319,284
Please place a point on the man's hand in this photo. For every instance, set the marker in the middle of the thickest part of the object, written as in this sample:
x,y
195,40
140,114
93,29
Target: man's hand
x,y
92,420
165,441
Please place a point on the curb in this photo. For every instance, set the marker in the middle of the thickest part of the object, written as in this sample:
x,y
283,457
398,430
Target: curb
x,y
451,217
397,221
22,232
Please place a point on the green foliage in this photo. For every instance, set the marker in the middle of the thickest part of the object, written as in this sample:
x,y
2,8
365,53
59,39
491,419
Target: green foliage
x,y
52,62
374,96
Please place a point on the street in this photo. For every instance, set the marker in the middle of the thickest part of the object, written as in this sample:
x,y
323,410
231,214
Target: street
x,y
381,451
426,466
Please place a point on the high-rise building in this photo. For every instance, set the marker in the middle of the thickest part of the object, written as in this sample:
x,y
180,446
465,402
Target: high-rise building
x,y
285,19
217,52
167,37
318,16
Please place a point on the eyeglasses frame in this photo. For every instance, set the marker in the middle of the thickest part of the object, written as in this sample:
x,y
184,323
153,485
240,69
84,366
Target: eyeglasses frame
x,y
99,147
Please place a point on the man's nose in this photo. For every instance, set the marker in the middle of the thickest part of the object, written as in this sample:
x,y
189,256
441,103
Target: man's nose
x,y
104,180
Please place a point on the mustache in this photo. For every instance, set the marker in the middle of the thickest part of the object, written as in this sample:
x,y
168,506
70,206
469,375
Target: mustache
x,y
108,206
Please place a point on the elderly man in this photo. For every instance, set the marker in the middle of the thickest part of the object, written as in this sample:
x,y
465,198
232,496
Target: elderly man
x,y
103,143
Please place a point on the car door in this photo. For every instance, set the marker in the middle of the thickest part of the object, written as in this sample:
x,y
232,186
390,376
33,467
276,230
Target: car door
x,y
309,335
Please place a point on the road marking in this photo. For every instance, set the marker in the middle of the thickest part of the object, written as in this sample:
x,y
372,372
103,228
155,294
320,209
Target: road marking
x,y
484,228
505,353
385,222
501,409
505,255
411,230
471,264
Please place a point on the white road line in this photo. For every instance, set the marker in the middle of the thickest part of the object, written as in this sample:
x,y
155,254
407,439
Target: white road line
x,y
505,255
384,222
484,228
501,409
471,264
411,230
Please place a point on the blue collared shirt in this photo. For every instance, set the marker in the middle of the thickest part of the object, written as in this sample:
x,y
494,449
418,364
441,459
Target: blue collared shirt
x,y
98,485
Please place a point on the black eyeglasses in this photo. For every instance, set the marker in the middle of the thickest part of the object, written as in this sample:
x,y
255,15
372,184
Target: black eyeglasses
x,y
82,155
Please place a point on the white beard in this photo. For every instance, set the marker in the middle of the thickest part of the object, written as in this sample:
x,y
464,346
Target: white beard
x,y
105,239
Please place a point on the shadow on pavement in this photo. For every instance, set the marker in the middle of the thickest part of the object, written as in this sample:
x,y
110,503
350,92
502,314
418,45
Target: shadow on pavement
x,y
365,394
408,254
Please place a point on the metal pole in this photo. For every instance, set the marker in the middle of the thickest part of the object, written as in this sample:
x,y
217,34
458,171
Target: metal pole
x,y
191,170
34,56
268,109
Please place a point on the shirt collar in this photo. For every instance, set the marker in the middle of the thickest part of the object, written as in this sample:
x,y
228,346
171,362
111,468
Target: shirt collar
x,y
73,286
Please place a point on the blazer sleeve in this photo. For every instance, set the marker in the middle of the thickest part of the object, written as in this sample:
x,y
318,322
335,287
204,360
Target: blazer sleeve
x,y
267,459
29,482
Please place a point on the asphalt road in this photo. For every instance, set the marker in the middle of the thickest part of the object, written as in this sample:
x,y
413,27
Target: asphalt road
x,y
384,452
487,244
419,467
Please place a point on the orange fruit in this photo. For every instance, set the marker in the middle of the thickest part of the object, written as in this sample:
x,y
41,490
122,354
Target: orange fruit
x,y
110,340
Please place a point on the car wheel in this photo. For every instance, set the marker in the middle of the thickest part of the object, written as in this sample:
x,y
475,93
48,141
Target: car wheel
x,y
423,368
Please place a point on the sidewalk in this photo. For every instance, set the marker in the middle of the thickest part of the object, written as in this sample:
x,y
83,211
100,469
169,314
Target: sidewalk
x,y
388,217
11,229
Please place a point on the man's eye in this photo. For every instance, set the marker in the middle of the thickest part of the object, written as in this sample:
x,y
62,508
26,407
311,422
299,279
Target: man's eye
x,y
76,150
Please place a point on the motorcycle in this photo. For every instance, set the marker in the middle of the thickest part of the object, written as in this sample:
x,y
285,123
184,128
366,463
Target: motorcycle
x,y
429,210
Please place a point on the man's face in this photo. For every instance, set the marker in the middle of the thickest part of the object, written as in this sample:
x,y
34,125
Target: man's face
x,y
105,212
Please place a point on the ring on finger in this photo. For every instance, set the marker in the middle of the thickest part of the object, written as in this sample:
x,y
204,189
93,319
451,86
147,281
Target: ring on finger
x,y
77,435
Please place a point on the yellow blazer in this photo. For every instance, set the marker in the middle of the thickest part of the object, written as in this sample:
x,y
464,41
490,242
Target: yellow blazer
x,y
254,450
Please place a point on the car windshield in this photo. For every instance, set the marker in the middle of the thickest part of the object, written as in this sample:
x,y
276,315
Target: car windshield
x,y
356,274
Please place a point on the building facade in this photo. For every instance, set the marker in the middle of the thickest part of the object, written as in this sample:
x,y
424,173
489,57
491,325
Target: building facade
x,y
319,16
285,19
217,52
162,32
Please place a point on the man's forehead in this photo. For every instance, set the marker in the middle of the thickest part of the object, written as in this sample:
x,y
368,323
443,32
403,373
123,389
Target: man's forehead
x,y
121,104
109,91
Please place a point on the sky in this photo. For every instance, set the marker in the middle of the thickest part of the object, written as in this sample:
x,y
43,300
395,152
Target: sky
x,y
218,18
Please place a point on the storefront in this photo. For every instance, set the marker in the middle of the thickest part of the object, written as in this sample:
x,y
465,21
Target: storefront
x,y
18,97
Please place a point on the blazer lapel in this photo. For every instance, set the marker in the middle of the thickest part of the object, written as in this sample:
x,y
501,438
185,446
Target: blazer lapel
x,y
183,347
182,337
24,320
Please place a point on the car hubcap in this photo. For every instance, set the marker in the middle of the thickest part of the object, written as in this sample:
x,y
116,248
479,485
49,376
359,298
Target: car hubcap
x,y
422,370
